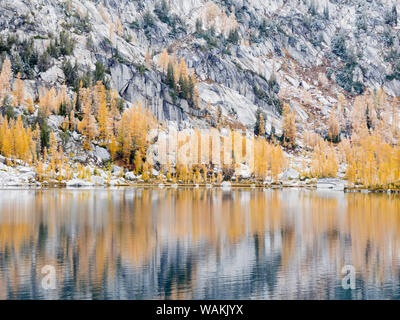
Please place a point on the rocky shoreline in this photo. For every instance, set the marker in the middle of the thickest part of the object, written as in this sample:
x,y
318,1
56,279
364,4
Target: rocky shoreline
x,y
27,180
22,175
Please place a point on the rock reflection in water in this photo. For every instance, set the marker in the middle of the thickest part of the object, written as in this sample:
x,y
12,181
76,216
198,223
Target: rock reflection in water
x,y
198,244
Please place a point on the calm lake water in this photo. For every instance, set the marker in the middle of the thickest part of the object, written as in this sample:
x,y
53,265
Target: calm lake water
x,y
198,244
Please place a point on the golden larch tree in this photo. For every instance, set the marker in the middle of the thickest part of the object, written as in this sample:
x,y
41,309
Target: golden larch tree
x,y
88,126
19,91
5,79
104,121
333,127
288,127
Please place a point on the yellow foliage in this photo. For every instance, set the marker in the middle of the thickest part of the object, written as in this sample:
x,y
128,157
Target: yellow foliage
x,y
103,120
145,174
333,127
289,127
19,91
324,162
16,141
113,147
29,105
88,126
133,129
373,162
5,78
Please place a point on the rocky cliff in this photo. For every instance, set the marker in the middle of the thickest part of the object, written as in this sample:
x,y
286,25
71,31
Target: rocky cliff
x,y
246,54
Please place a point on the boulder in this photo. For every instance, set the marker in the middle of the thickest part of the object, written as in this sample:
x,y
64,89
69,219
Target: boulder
x,y
22,169
55,122
78,183
98,180
116,170
290,174
243,171
52,75
331,184
130,176
80,158
102,154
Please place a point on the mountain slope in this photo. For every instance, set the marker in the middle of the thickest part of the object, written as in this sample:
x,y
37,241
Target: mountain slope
x,y
324,70
353,42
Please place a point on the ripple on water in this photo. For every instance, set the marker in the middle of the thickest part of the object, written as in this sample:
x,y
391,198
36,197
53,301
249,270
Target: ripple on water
x,y
129,243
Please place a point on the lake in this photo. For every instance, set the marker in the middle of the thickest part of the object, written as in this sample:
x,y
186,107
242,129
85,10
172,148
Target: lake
x,y
185,243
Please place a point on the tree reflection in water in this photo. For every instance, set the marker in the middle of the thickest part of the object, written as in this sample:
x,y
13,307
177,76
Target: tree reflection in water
x,y
198,243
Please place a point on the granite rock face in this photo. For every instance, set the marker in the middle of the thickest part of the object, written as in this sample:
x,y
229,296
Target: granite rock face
x,y
282,48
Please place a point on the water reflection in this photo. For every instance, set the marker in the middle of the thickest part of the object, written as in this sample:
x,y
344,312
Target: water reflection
x,y
198,244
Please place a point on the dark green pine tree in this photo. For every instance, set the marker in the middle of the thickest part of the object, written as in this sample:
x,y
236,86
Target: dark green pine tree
x,y
368,118
183,88
258,122
191,91
78,102
170,80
